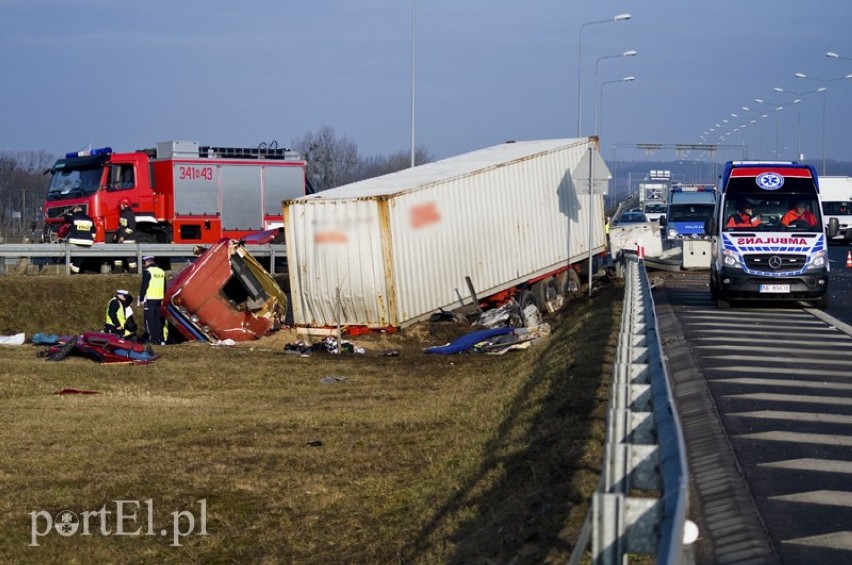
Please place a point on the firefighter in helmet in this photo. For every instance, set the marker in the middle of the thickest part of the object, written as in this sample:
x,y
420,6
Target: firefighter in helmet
x,y
81,232
126,233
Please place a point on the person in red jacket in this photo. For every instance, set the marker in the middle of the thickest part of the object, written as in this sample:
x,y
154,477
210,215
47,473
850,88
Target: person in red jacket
x,y
743,218
799,217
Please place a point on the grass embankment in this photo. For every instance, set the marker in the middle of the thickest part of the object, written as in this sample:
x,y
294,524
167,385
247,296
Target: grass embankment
x,y
411,458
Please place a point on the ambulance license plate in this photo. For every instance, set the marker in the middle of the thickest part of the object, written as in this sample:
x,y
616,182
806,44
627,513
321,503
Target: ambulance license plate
x,y
780,288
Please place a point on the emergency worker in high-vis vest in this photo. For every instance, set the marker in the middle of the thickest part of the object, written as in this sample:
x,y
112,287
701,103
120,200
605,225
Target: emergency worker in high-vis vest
x,y
151,296
119,316
82,232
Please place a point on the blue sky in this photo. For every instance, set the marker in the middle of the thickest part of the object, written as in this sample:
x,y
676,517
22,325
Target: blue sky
x,y
129,74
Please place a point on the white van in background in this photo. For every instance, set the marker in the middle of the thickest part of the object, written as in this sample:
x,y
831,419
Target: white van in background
x,y
654,210
836,196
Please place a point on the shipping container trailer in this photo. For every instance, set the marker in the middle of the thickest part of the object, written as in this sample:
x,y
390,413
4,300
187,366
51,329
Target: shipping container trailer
x,y
390,251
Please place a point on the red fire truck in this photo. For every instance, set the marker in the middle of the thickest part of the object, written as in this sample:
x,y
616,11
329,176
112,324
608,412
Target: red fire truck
x,y
179,191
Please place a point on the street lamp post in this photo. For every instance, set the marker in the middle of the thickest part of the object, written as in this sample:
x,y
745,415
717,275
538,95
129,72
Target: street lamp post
x,y
759,128
600,99
833,55
778,108
618,18
630,53
413,75
798,114
824,90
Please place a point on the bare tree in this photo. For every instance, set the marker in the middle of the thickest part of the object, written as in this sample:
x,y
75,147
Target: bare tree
x,y
378,165
332,160
23,185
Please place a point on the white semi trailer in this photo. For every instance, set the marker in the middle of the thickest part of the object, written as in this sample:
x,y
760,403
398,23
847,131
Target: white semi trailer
x,y
508,220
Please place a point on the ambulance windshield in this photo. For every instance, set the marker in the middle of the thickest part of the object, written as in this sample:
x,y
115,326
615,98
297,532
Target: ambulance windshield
x,y
772,212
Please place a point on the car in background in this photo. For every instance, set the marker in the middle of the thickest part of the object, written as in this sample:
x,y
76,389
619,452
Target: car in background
x,y
654,210
629,217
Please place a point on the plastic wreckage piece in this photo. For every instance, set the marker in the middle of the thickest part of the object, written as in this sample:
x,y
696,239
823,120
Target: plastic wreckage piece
x,y
45,339
16,339
224,294
498,317
493,341
469,340
327,345
102,347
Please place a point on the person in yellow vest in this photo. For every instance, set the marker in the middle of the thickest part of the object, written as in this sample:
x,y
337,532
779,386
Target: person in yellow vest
x,y
151,296
119,316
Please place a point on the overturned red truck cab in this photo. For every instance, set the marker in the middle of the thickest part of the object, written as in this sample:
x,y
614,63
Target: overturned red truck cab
x,y
224,294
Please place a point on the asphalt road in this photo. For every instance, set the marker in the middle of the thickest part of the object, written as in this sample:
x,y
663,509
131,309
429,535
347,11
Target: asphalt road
x,y
840,284
764,393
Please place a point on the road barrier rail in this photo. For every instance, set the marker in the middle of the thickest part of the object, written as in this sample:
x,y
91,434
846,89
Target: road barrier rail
x,y
641,503
21,256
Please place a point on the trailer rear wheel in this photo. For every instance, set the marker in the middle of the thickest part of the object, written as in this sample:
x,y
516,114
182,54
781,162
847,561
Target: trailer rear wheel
x,y
548,295
527,298
569,282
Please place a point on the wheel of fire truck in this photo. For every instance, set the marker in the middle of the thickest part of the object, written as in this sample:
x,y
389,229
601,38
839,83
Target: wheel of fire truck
x,y
568,282
548,295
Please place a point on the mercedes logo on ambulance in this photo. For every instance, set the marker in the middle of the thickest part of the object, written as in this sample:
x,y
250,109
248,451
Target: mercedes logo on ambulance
x,y
769,181
775,261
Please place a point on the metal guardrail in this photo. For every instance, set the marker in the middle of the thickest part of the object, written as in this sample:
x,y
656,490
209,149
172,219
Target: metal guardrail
x,y
65,252
641,503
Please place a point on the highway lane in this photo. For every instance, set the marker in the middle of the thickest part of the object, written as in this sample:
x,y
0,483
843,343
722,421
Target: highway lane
x,y
840,284
764,392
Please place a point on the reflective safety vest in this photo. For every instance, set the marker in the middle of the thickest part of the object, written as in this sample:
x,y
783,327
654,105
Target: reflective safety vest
x,y
157,285
126,226
119,313
82,230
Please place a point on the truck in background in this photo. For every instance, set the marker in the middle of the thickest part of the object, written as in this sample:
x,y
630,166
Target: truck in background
x,y
689,207
769,259
474,229
836,195
179,191
654,194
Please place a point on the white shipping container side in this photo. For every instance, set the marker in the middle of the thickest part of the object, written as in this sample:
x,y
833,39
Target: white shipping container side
x,y
400,246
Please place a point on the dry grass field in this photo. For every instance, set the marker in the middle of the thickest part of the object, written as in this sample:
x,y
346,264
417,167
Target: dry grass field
x,y
246,454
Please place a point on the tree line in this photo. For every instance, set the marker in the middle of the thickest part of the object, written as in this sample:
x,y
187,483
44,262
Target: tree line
x,y
332,160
